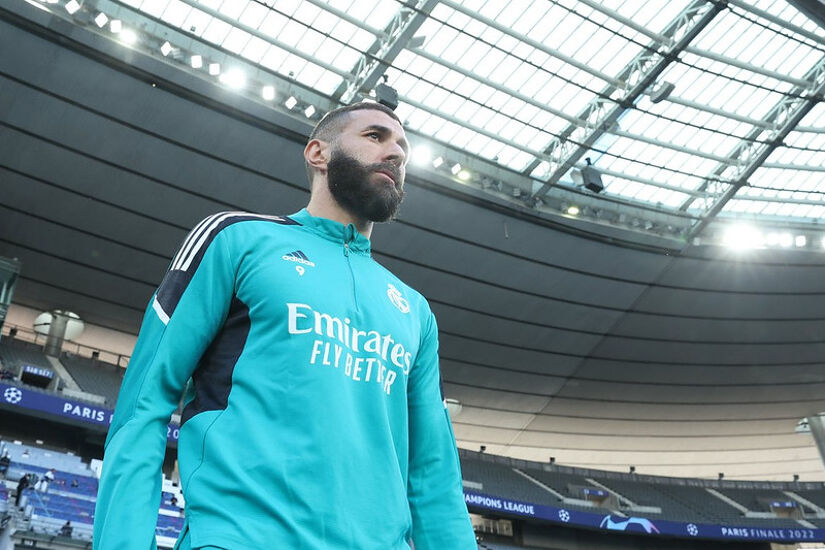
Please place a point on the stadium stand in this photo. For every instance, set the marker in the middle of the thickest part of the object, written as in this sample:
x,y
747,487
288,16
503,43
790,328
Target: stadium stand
x,y
94,376
71,496
15,353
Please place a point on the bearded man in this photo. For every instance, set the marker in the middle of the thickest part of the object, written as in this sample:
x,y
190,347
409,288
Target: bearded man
x,y
313,417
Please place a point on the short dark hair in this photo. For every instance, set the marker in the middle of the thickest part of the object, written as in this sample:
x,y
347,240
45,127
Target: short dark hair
x,y
334,121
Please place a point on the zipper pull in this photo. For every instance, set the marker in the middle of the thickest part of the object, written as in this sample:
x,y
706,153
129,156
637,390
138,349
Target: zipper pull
x,y
346,249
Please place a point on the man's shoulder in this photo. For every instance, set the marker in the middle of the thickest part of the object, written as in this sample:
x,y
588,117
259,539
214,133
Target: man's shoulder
x,y
221,220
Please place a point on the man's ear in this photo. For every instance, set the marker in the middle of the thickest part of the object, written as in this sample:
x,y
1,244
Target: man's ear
x,y
316,154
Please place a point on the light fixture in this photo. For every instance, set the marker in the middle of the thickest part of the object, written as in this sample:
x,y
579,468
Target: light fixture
x,y
72,6
196,61
166,48
464,175
823,242
116,25
573,210
234,78
742,237
455,169
309,111
439,161
291,102
214,69
800,241
128,36
592,178
101,19
785,240
421,155
268,93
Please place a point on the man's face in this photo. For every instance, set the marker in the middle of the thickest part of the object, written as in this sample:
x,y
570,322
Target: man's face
x,y
367,165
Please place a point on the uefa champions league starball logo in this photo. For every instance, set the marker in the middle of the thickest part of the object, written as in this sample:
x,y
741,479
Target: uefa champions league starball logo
x,y
692,530
13,395
564,515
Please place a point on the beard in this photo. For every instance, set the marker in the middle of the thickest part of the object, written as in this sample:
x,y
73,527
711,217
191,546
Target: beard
x,y
350,186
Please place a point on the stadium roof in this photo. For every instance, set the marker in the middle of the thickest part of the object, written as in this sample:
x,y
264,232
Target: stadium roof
x,y
599,348
692,111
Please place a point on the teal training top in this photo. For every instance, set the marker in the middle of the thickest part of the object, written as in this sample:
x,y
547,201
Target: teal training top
x,y
313,417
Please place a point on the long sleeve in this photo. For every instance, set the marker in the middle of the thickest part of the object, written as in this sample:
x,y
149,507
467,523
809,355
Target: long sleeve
x,y
181,320
439,514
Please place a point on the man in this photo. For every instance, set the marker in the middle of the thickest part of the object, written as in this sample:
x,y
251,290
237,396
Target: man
x,y
314,419
66,529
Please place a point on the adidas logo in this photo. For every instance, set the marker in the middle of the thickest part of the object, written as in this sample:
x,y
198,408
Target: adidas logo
x,y
298,257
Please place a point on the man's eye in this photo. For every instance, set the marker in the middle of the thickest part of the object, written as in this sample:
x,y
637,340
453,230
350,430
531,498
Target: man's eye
x,y
376,135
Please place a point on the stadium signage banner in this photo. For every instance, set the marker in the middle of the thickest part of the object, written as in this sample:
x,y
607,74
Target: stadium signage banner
x,y
25,398
640,525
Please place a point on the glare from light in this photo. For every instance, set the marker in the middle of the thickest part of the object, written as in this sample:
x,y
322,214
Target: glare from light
x,y
214,69
101,19
742,237
456,168
573,210
50,1
785,240
439,161
823,242
291,102
128,36
772,239
421,155
309,111
464,175
234,78
72,6
196,61
268,93
800,241
116,26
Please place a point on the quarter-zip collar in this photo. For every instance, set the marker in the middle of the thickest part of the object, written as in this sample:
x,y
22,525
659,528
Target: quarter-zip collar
x,y
333,231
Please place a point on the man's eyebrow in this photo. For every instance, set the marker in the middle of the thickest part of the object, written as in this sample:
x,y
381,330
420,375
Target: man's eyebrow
x,y
384,130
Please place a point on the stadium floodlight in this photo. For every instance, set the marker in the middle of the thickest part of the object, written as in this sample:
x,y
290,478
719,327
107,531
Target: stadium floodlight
x,y
128,36
116,25
421,155
291,102
72,6
268,93
464,175
439,161
456,168
214,69
309,111
196,61
573,210
800,241
166,48
101,19
785,240
742,237
234,78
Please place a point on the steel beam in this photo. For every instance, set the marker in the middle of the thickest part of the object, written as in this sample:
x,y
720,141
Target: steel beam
x,y
379,57
786,115
601,114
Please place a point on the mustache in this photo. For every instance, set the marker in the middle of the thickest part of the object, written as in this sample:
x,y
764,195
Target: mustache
x,y
388,167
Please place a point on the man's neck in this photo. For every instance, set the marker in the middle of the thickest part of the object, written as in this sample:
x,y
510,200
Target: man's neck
x,y
323,205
